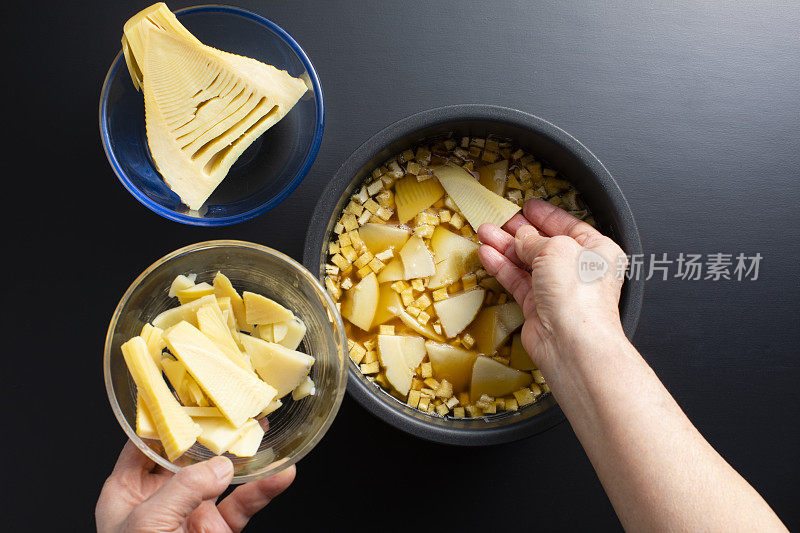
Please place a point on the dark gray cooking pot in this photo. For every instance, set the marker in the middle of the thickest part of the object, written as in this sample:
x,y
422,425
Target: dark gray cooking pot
x,y
542,139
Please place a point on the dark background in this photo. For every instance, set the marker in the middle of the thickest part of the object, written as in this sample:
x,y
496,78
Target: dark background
x,y
693,106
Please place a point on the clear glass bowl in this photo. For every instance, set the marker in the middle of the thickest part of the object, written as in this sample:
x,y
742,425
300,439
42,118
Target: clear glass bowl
x,y
295,428
267,172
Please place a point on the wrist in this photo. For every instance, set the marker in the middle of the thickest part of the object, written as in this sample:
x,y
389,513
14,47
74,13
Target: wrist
x,y
585,344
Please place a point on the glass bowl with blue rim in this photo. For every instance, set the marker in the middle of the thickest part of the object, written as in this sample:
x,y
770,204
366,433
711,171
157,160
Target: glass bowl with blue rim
x,y
267,172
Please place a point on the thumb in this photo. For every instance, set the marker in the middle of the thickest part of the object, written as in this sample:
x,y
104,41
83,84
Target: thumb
x,y
172,504
528,243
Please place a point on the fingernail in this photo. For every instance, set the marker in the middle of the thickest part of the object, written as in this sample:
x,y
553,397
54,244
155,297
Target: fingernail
x,y
221,466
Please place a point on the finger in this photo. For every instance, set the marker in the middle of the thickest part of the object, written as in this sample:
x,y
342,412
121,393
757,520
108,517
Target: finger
x,y
172,504
500,240
514,279
527,243
247,500
516,222
552,221
132,460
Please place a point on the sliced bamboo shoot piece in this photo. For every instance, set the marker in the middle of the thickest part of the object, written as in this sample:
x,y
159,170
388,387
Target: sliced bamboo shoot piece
x,y
213,326
175,428
494,176
457,312
248,443
478,204
186,312
393,271
218,434
412,196
261,310
223,288
145,427
238,393
180,283
417,259
277,365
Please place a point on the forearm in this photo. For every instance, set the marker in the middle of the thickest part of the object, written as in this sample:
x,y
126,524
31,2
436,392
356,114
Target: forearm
x,y
657,469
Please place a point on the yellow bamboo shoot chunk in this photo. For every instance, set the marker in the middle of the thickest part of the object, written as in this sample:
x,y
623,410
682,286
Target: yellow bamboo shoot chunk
x,y
195,394
194,292
411,322
412,196
380,237
265,332
248,443
361,303
451,364
417,259
519,356
180,283
239,394
261,310
296,330
203,107
306,388
387,297
175,428
223,288
224,303
200,412
176,372
478,204
145,427
277,365
273,406
212,324
495,379
186,312
494,325
153,336
457,312
218,434
494,176
454,256
393,271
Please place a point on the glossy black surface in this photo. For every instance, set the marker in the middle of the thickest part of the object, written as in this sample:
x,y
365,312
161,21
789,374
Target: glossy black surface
x,y
691,105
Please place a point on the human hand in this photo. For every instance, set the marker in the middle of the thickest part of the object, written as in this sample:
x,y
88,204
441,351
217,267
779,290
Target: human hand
x,y
535,257
138,496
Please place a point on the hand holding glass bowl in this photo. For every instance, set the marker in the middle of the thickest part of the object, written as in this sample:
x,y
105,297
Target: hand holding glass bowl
x,y
295,428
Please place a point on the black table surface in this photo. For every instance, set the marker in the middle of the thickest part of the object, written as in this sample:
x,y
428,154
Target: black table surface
x,y
693,107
